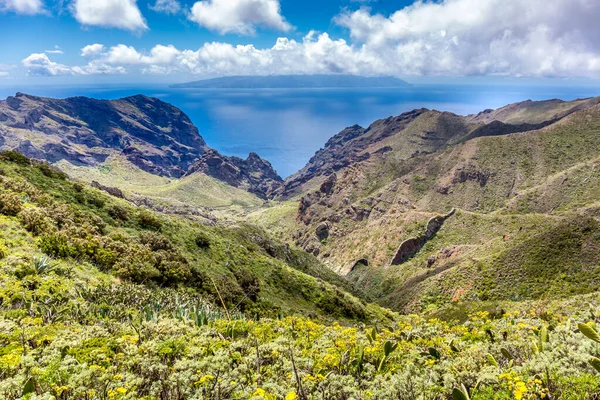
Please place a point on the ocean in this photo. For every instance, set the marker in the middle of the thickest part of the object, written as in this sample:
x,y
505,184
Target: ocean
x,y
287,126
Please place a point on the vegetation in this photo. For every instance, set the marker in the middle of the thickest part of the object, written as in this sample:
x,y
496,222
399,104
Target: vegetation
x,y
62,338
56,221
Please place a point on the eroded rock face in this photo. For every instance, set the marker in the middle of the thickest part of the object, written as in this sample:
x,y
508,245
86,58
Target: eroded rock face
x,y
412,246
252,174
154,135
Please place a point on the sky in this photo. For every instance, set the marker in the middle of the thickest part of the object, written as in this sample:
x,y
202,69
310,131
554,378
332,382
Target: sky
x,y
175,40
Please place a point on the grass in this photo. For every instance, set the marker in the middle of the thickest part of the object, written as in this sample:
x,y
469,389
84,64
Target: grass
x,y
196,190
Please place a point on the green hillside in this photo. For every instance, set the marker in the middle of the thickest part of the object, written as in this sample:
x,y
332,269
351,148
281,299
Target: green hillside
x,y
105,239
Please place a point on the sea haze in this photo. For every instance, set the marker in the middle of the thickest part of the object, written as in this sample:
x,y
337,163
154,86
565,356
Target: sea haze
x,y
287,126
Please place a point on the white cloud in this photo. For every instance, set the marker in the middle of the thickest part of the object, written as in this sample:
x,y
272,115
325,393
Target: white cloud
x,y
122,14
488,37
4,74
40,64
27,7
166,6
239,16
92,50
56,50
314,54
447,38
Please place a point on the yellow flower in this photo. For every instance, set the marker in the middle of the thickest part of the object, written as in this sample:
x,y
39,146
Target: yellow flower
x,y
121,390
259,392
520,390
291,396
205,379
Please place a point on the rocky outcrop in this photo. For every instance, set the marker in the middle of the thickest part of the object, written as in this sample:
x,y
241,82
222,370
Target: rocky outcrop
x,y
412,246
113,191
252,174
154,135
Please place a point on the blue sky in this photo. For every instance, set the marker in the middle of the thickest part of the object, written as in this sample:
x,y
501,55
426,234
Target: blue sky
x,y
172,40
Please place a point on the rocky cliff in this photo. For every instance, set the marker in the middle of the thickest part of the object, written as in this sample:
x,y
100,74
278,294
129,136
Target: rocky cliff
x,y
253,174
153,135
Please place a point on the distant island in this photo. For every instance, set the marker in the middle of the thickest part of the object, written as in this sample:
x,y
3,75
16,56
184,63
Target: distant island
x,y
295,81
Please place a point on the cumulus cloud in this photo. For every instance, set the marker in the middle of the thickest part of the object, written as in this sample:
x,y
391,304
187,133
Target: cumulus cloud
x,y
447,38
166,6
314,54
92,50
39,64
122,14
471,37
26,7
239,16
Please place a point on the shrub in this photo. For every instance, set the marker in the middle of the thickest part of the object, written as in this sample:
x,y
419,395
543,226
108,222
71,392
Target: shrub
x,y
3,250
148,220
57,245
95,200
136,267
35,221
202,241
14,157
249,283
52,172
10,203
155,241
118,212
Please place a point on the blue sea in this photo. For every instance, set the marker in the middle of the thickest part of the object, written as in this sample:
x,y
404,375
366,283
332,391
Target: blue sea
x,y
287,126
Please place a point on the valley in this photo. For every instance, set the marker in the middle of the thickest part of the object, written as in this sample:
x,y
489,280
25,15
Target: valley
x,y
429,255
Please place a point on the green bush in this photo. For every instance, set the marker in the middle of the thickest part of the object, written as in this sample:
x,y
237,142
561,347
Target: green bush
x,y
35,221
148,220
118,212
57,245
202,241
155,241
52,172
95,200
10,203
14,157
137,267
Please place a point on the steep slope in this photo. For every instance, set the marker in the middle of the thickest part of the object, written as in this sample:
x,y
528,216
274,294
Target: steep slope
x,y
151,134
370,218
86,229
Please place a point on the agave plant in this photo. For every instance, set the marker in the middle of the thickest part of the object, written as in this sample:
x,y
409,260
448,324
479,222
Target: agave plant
x,y
43,265
591,334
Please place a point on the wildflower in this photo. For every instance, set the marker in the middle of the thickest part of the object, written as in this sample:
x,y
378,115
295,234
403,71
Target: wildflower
x,y
259,392
204,379
291,396
520,390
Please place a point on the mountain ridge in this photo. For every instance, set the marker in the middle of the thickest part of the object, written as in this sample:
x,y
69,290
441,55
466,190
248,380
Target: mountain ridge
x,y
295,81
150,134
